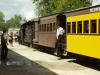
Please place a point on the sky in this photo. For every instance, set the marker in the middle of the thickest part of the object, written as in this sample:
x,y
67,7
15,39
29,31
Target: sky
x,y
96,2
23,7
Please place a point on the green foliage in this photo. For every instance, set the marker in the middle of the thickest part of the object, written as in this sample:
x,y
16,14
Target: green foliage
x,y
47,7
13,22
1,20
1,17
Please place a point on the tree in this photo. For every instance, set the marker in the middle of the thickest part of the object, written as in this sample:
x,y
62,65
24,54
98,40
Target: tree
x,y
1,17
1,20
47,7
13,22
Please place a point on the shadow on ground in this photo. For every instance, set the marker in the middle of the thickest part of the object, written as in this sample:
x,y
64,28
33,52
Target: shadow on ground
x,y
94,64
19,65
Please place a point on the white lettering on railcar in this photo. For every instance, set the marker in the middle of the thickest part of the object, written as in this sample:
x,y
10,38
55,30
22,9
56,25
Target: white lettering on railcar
x,y
95,9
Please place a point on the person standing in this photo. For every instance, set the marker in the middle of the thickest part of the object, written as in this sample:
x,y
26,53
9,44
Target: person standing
x,y
4,44
11,39
59,36
60,32
16,37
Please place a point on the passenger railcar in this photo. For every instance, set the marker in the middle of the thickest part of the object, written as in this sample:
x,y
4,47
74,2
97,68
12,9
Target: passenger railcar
x,y
83,31
47,30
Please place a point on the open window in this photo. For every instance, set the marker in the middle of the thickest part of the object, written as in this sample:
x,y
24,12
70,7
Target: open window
x,y
99,25
68,27
86,26
73,27
79,26
50,27
47,27
40,27
44,27
54,27
93,26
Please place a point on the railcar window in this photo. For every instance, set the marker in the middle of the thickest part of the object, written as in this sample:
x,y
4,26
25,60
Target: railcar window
x,y
54,27
47,27
50,27
99,25
86,26
68,27
44,27
93,26
40,27
73,27
33,26
79,26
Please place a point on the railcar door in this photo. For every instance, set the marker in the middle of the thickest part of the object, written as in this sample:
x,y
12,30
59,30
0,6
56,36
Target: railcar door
x,y
61,43
61,20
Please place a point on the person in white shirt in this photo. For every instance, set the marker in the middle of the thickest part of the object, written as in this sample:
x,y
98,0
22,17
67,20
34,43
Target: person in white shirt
x,y
59,36
60,31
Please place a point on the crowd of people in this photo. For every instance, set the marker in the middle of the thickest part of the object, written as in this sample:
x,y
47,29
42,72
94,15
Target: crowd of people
x,y
5,37
10,37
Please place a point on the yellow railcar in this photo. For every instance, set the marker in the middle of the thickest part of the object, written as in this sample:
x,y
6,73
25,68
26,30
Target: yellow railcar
x,y
83,32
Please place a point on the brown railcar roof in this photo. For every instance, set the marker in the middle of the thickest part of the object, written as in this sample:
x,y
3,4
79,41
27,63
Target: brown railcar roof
x,y
50,15
81,9
35,19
